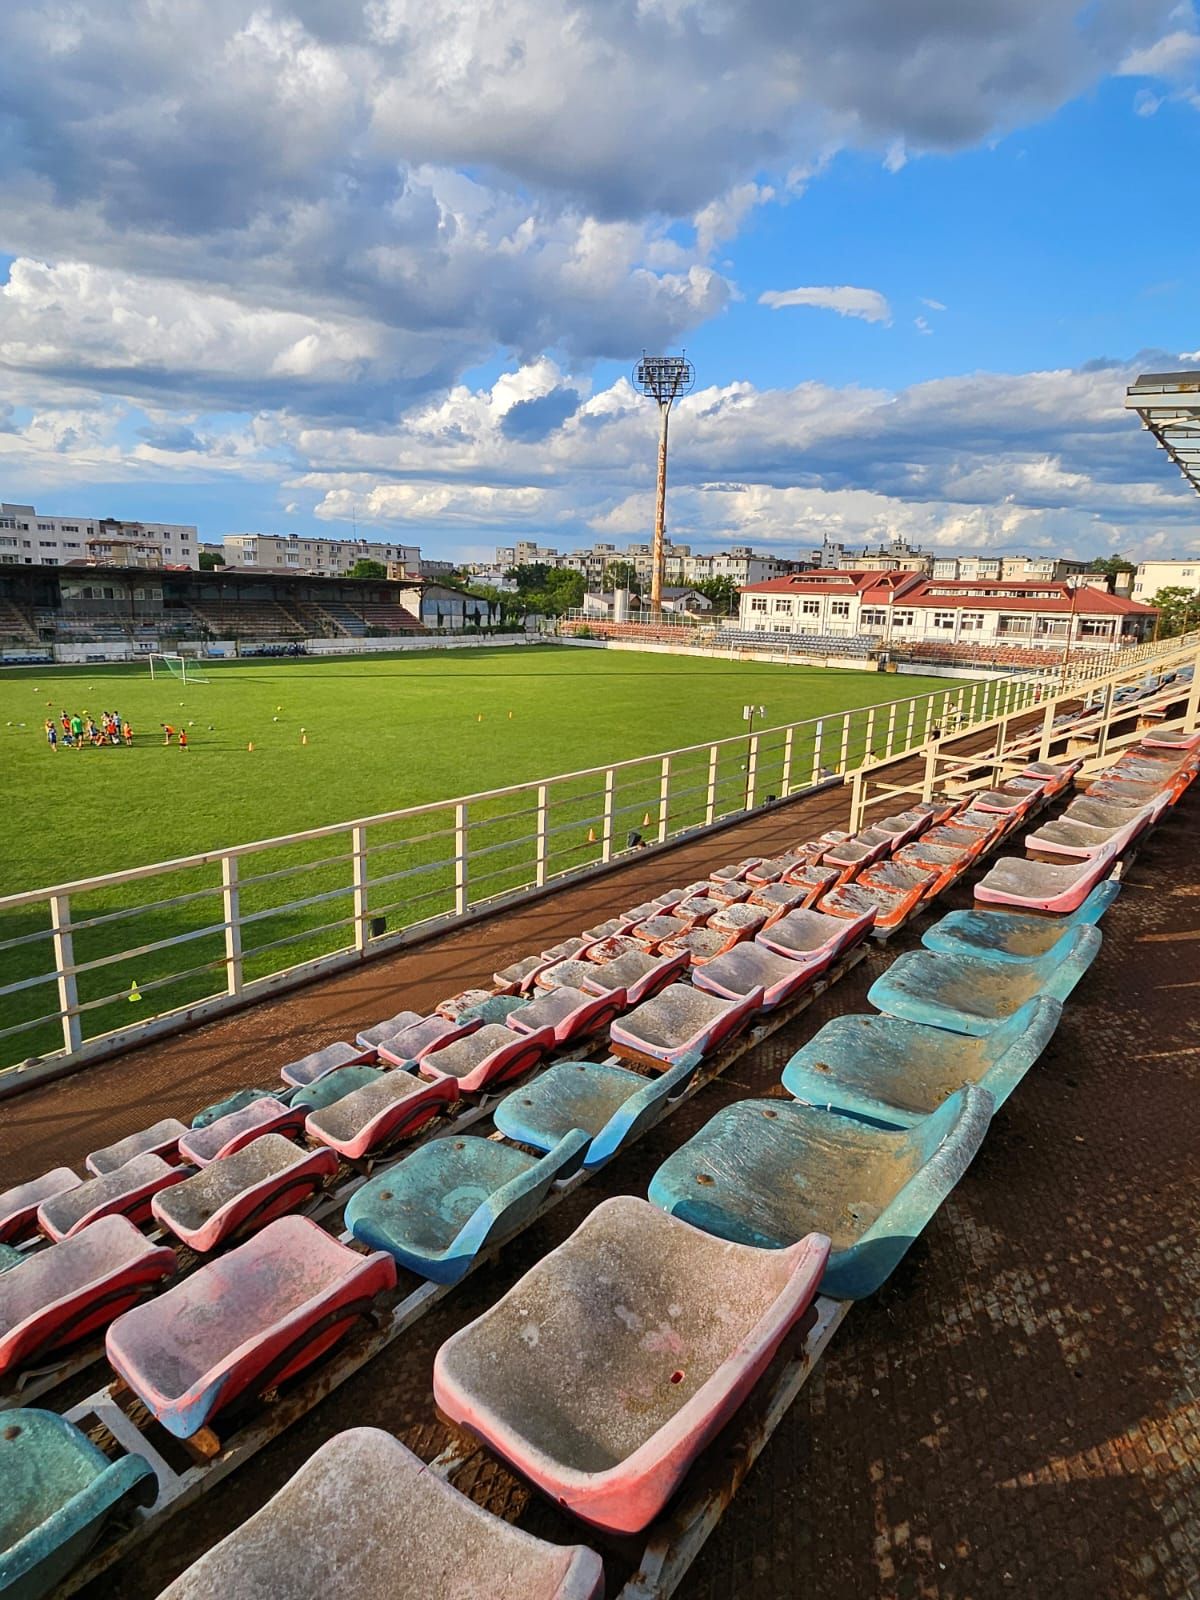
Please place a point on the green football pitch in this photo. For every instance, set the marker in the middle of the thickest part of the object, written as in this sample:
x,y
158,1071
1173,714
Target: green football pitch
x,y
335,739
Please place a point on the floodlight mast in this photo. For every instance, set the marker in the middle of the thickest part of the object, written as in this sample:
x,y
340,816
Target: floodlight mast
x,y
664,379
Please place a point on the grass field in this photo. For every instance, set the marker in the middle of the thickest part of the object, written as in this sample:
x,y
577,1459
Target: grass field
x,y
382,733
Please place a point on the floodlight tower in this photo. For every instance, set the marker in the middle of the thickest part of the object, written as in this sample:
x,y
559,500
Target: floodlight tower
x,y
664,379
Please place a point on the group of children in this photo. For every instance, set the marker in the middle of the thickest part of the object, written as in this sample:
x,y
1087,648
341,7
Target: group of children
x,y
78,730
170,733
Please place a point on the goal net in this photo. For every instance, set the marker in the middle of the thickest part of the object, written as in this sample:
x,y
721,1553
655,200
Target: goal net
x,y
177,667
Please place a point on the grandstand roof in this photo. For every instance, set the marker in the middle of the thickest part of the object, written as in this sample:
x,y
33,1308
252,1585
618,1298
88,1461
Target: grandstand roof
x,y
1169,405
824,580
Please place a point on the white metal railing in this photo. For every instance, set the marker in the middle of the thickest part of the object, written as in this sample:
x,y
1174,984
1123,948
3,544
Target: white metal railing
x,y
96,964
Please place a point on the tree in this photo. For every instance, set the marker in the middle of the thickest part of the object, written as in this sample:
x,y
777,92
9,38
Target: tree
x,y
723,592
1114,565
528,576
619,575
1178,610
367,569
210,559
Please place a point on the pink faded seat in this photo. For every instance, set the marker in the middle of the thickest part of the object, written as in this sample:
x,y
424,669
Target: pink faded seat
x,y
18,1207
466,1000
398,1530
750,966
679,1022
815,938
315,1066
568,974
608,949
127,1192
243,1191
240,1128
695,909
518,976
742,921
776,898
727,891
813,879
697,945
946,862
488,1058
160,1140
735,873
1038,886
245,1322
413,1044
651,931
851,854
58,1296
604,1372
380,1114
1173,741
900,877
380,1032
571,1013
769,871
638,973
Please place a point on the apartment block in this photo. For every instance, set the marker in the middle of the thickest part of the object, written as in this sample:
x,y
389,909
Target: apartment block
x,y
32,538
321,558
1151,576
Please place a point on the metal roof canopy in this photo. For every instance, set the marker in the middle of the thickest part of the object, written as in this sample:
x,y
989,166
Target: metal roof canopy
x,y
1169,405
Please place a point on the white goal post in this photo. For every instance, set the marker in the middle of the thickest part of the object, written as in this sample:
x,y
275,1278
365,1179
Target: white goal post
x,y
177,666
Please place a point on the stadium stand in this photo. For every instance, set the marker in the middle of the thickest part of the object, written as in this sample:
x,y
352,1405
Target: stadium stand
x,y
16,625
539,1377
390,618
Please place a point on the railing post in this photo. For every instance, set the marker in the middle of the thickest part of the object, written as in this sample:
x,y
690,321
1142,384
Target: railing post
x,y
816,772
785,782
928,719
751,769
1001,741
974,699
710,802
1047,725
231,909
664,800
1192,709
606,835
912,719
856,801
1105,718
891,727
64,961
930,772
460,859
540,857
869,752
844,754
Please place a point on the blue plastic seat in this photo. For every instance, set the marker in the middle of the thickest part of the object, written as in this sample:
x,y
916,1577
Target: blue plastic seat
x,y
1011,936
238,1102
768,1172
611,1104
344,1080
894,1073
10,1257
59,1490
437,1209
971,994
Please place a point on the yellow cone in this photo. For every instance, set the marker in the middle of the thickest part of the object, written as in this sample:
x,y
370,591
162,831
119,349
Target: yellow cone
x,y
646,820
135,993
479,718
303,738
509,714
250,746
591,835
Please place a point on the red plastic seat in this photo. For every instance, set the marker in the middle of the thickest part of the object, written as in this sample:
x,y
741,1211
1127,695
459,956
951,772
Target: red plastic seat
x,y
127,1192
19,1206
488,1058
240,1128
370,1119
243,1191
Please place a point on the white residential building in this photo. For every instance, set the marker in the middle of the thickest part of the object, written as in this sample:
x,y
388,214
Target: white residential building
x,y
1151,576
31,538
321,558
681,565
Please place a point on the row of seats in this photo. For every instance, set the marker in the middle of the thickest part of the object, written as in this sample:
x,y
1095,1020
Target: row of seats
x,y
292,1289
817,644
1020,656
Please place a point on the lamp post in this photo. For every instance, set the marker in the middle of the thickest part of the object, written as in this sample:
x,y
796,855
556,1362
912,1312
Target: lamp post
x,y
663,379
748,715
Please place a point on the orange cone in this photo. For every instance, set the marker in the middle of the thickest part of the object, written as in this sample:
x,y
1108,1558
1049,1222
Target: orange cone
x,y
591,835
646,820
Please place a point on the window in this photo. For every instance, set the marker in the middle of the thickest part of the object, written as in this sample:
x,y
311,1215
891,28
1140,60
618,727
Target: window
x,y
902,619
784,605
944,619
758,602
873,617
811,608
47,544
49,561
781,627
839,608
972,621
10,544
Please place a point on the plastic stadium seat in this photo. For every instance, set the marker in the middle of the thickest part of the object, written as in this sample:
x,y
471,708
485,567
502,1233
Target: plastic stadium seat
x,y
484,1060
814,938
243,1191
371,1119
778,898
10,1256
127,1192
571,1013
971,994
735,872
398,1530
1034,886
946,861
570,974
312,1067
651,931
237,1101
853,853
813,879
413,1044
19,1206
892,1072
614,946
611,1104
160,1140
638,973
467,1000
769,1172
437,1209
335,1086
1008,936
698,945
371,1038
728,891
900,877
59,1491
742,921
239,1128
244,1322
56,1297
749,966
1078,841
518,976
1172,741
680,1022
561,1378
769,870
496,1008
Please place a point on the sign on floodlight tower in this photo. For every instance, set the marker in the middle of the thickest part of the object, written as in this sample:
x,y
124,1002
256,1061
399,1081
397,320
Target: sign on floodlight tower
x,y
664,379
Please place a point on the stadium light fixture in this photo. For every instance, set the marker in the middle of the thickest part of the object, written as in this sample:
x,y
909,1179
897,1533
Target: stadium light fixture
x,y
663,379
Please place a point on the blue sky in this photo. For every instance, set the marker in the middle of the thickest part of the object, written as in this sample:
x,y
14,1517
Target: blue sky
x,y
256,273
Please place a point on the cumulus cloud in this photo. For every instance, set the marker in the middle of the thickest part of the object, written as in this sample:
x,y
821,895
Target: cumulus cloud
x,y
868,304
1175,55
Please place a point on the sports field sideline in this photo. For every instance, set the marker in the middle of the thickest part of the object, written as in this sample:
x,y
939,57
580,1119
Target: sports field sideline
x,y
382,733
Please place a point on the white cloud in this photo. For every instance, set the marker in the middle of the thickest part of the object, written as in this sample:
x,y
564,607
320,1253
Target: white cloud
x,y
934,305
868,304
922,325
1172,57
895,157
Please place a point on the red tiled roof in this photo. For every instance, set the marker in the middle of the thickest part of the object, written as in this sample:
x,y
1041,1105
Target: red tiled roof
x,y
828,580
915,589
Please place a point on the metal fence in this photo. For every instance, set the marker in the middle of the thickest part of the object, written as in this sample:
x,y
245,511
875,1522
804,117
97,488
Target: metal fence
x,y
94,965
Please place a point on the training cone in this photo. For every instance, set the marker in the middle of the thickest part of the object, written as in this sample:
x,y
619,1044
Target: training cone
x,y
591,835
250,746
479,717
135,994
509,714
303,738
646,820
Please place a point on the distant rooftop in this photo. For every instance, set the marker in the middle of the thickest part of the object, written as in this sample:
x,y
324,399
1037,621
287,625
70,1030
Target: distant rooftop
x,y
1169,405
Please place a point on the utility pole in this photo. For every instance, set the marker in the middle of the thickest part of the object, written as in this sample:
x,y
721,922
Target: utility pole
x,y
663,379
